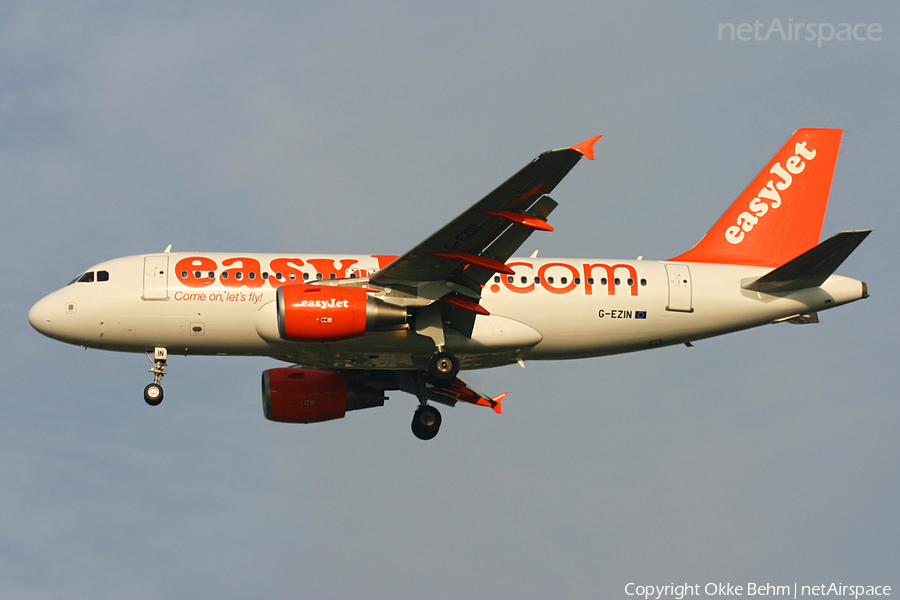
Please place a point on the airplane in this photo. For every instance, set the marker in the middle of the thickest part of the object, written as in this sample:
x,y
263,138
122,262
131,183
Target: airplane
x,y
353,328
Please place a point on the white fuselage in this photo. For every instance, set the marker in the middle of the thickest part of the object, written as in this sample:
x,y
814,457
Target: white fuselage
x,y
217,303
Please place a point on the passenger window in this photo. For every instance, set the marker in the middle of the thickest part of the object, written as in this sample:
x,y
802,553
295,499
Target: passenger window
x,y
184,274
496,279
332,276
251,275
102,275
305,276
510,279
537,279
292,276
618,281
630,281
603,281
265,276
578,281
563,280
643,282
550,280
212,274
590,281
524,280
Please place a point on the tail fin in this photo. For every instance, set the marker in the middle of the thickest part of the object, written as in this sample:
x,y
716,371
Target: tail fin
x,y
779,216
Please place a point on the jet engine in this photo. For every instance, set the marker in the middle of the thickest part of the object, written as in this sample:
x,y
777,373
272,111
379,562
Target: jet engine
x,y
318,313
298,395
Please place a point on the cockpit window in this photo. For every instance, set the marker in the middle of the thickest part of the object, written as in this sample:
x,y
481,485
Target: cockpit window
x,y
89,277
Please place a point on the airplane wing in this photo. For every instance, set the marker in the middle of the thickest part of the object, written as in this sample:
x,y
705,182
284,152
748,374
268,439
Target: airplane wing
x,y
459,390
466,253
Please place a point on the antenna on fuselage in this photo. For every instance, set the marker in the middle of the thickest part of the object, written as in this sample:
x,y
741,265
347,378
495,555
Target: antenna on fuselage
x,y
168,249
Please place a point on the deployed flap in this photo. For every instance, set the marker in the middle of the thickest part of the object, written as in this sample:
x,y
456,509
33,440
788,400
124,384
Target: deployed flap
x,y
811,268
487,229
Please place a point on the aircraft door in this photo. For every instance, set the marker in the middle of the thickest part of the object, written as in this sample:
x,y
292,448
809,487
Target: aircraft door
x,y
156,278
679,288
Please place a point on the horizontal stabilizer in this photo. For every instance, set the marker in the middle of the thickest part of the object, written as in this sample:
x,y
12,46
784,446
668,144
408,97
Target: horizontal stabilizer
x,y
811,268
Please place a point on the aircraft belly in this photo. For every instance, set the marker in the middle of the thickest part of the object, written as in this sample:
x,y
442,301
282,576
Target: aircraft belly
x,y
401,349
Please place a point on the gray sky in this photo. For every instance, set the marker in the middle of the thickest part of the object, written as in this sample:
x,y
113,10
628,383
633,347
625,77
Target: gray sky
x,y
360,127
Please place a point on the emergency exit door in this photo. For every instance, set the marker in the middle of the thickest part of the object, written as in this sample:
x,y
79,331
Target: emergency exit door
x,y
156,278
679,288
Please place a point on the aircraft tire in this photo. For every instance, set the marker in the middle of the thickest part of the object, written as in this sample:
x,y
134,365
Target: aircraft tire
x,y
426,422
153,394
443,369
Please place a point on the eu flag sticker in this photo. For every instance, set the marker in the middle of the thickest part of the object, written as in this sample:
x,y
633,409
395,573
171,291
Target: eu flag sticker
x,y
640,314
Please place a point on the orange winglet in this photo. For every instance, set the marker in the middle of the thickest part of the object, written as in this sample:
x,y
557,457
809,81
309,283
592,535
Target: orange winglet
x,y
498,408
492,403
460,391
484,262
587,147
520,219
459,301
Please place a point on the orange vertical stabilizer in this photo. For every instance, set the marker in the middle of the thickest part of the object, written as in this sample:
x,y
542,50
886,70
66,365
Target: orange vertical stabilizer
x,y
779,216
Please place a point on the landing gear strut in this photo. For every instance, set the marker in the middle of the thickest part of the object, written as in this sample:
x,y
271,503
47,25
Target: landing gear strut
x,y
426,422
153,393
443,366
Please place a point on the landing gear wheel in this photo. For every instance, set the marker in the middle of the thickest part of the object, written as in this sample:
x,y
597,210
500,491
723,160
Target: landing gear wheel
x,y
153,394
426,422
443,369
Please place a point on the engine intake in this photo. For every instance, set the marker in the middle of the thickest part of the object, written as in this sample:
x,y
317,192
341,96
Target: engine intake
x,y
316,313
298,395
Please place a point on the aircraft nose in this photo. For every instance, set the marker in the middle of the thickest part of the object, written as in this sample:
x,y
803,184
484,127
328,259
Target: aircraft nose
x,y
39,316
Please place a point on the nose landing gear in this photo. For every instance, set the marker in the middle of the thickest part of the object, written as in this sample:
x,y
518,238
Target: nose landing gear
x,y
153,393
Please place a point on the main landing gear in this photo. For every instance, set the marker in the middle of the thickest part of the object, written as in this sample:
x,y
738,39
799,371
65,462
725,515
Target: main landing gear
x,y
153,393
426,422
443,368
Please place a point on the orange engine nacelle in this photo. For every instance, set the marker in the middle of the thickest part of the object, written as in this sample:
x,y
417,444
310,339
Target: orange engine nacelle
x,y
296,395
317,313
